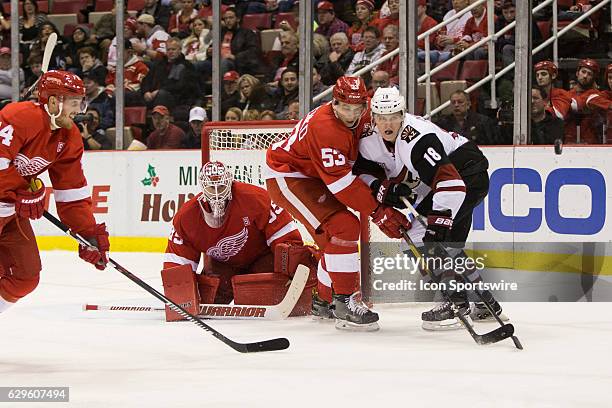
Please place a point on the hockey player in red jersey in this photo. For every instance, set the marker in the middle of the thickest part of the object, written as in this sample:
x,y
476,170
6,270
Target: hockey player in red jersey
x,y
309,174
443,174
251,247
35,137
559,102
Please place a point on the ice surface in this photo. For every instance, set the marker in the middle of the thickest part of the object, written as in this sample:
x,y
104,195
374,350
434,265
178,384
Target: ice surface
x,y
130,359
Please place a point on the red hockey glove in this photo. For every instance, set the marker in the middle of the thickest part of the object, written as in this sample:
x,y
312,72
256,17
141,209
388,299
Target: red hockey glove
x,y
97,254
389,220
439,224
30,203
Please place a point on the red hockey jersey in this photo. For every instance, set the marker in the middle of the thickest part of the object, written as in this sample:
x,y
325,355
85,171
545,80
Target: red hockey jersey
x,y
253,227
321,147
28,147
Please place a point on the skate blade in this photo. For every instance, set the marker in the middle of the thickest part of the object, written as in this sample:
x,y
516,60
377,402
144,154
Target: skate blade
x,y
319,318
491,319
445,325
348,326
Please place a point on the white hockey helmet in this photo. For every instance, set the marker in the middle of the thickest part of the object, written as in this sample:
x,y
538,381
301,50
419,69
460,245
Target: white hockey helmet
x,y
387,101
216,183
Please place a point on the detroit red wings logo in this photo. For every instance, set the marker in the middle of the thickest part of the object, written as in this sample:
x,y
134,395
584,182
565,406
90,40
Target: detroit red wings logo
x,y
228,246
29,167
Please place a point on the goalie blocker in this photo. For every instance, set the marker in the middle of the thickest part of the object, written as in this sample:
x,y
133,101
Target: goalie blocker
x,y
250,287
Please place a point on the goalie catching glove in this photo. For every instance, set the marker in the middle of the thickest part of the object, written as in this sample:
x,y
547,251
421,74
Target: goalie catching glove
x,y
96,253
390,193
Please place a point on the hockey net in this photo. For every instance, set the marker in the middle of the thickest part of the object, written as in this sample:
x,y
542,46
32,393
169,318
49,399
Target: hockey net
x,y
242,147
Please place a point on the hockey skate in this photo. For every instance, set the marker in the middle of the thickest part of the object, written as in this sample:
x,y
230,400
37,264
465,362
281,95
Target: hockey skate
x,y
320,309
443,316
352,314
480,313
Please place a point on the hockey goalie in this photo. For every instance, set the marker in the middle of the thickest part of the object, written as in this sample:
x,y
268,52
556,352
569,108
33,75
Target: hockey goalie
x,y
251,247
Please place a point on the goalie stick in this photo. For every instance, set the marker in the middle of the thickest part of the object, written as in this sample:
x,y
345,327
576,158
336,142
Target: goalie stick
x,y
506,330
266,345
233,312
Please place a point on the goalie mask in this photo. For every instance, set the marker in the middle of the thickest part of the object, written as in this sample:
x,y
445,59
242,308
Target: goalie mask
x,y
216,184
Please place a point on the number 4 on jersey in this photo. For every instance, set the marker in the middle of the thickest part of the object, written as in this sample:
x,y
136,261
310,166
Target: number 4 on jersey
x,y
6,134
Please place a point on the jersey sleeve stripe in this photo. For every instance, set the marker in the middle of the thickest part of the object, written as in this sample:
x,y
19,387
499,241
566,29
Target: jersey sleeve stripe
x,y
290,226
341,183
174,258
73,194
348,263
4,163
367,178
6,209
450,183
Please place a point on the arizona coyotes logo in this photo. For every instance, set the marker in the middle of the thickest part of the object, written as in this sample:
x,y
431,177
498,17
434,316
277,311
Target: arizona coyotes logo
x,y
28,167
409,133
228,246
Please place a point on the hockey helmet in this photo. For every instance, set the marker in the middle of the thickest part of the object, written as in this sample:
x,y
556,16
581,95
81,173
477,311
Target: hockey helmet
x,y
387,101
59,83
216,184
590,64
547,66
350,90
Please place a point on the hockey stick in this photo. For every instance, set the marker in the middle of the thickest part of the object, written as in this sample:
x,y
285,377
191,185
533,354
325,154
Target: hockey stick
x,y
49,47
500,333
233,312
266,345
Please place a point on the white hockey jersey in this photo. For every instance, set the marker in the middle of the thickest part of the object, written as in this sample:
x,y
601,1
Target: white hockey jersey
x,y
423,149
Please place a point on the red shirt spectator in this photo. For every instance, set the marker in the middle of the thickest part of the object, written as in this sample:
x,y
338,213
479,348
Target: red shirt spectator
x,y
165,135
329,24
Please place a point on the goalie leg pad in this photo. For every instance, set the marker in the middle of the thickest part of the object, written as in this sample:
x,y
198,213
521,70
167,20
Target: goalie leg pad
x,y
207,288
269,289
180,286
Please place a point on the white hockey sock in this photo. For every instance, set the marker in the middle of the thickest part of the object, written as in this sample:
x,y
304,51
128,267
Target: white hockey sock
x,y
4,304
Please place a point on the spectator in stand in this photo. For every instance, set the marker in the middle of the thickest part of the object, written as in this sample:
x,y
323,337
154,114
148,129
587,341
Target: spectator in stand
x,y
193,137
293,110
426,23
233,115
545,128
318,87
481,129
134,71
329,24
239,47
364,11
373,50
91,65
320,49
79,39
6,77
103,31
451,35
166,135
380,79
160,13
253,94
287,91
94,137
32,74
289,54
558,100
584,125
195,47
268,115
95,97
339,59
180,22
5,28
29,22
58,60
504,45
171,81
391,42
230,94
155,37
475,30
392,18
251,115
130,27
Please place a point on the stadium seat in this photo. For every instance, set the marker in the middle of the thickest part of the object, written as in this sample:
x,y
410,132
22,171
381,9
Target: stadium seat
x,y
60,20
95,16
435,96
104,5
135,5
261,21
544,27
289,17
448,73
267,39
474,70
565,4
67,7
135,115
420,107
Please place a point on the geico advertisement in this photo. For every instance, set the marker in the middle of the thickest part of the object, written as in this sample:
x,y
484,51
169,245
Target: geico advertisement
x,y
534,194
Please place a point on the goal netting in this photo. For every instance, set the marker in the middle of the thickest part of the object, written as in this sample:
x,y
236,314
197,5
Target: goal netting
x,y
242,147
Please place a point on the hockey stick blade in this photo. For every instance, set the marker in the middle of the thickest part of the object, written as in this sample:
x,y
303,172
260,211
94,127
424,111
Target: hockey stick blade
x,y
266,345
499,334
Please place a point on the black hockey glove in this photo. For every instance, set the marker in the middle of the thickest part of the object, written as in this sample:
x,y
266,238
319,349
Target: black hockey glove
x,y
439,224
389,193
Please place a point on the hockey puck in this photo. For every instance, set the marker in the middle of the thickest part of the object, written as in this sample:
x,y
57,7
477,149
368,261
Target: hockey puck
x,y
558,146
